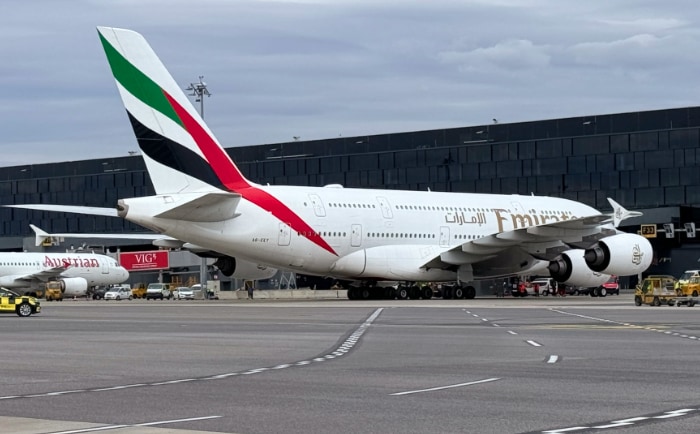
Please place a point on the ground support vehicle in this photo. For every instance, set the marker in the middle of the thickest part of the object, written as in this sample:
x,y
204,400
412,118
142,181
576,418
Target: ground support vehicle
x,y
690,287
118,293
99,293
687,277
53,292
138,291
183,293
158,291
22,305
546,285
656,290
612,286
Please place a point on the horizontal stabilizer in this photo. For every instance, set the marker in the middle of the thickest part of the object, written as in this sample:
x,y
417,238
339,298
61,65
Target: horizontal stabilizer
x,y
41,235
210,207
73,209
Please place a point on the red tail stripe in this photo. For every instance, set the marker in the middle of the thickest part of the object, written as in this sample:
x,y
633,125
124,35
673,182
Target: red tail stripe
x,y
234,180
219,160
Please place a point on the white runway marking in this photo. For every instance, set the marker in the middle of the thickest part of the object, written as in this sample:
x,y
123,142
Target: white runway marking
x,y
432,389
341,350
112,427
534,344
553,359
653,329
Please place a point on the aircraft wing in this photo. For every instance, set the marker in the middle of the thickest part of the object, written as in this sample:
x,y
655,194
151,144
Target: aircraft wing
x,y
524,250
42,276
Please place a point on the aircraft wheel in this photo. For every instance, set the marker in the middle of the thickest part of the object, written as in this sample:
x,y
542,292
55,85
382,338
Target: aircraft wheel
x,y
414,293
446,292
427,293
401,293
469,292
458,292
364,293
602,292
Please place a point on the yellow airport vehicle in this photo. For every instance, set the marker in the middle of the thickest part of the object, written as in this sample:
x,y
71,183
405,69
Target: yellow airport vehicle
x,y
22,305
53,291
139,290
656,290
690,288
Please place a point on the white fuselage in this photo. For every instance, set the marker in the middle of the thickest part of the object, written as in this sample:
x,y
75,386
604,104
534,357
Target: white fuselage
x,y
351,220
31,270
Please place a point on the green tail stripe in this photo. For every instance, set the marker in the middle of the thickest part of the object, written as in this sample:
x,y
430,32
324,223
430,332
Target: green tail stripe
x,y
137,83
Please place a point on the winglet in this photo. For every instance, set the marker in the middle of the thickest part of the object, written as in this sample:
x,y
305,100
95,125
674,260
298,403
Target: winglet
x,y
620,213
41,235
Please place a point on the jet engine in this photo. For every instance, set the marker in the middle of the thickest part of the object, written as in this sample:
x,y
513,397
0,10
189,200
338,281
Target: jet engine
x,y
570,268
73,286
241,269
622,255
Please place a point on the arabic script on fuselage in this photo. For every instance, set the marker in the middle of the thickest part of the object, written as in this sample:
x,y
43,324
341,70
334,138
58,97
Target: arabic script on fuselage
x,y
505,219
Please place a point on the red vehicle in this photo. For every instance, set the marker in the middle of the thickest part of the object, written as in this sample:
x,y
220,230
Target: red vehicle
x,y
612,286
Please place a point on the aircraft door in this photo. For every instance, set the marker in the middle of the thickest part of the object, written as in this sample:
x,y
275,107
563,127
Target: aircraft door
x,y
317,203
444,236
285,235
356,236
385,207
105,266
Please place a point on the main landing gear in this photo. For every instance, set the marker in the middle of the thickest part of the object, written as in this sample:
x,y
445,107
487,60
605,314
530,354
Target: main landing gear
x,y
410,291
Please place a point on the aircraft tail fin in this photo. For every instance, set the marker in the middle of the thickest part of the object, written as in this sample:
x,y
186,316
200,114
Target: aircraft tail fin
x,y
181,153
620,213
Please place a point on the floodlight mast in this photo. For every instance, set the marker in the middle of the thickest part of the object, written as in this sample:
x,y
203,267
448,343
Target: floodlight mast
x,y
199,90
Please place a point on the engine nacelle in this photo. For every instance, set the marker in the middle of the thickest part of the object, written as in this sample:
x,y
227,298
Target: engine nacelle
x,y
570,268
622,255
242,269
73,286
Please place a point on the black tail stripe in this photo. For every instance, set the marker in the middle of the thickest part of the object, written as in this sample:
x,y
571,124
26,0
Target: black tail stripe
x,y
173,155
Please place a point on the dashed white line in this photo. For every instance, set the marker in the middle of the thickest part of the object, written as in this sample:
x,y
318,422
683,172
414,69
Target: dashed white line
x,y
533,343
553,359
341,350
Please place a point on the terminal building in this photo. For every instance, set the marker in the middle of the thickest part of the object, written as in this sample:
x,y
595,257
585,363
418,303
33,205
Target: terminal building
x,y
647,161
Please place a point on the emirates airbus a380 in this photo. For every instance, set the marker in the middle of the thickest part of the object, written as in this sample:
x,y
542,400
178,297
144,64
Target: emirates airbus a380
x,y
363,235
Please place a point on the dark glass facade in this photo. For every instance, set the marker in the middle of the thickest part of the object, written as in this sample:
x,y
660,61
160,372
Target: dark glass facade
x,y
642,160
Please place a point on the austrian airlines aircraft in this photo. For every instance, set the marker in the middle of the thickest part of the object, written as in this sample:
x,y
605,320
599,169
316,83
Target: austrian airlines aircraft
x,y
366,236
76,272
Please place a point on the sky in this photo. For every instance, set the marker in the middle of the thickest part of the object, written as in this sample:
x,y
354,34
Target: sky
x,y
317,69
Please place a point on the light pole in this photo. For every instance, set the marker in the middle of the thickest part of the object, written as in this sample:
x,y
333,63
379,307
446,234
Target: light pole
x,y
199,90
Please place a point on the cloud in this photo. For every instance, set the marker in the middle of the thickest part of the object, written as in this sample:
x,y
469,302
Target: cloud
x,y
323,68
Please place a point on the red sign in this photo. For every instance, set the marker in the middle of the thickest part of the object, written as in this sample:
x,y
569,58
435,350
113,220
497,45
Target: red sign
x,y
150,260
